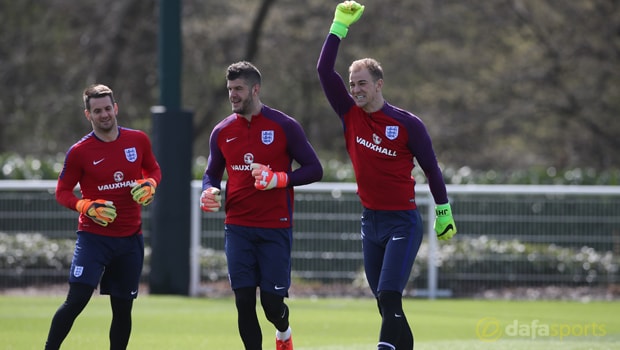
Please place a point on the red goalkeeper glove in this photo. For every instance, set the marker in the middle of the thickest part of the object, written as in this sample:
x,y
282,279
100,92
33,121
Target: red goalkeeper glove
x,y
444,222
143,191
266,179
100,211
211,200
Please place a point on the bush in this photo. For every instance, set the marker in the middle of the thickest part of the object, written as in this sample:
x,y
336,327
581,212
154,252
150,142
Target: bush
x,y
33,258
17,167
30,259
481,262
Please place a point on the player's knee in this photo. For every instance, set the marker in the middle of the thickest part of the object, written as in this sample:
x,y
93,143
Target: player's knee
x,y
121,307
79,294
245,299
274,307
77,298
390,302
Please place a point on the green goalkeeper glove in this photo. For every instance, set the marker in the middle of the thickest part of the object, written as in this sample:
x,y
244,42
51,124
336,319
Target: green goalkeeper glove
x,y
100,211
143,191
347,13
444,222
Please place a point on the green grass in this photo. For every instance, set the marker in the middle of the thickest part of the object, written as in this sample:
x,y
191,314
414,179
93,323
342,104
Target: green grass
x,y
170,322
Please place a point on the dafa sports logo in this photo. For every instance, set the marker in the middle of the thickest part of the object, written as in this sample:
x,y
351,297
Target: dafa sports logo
x,y
490,329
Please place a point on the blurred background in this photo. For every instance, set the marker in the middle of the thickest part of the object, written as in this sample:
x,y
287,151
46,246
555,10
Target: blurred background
x,y
512,91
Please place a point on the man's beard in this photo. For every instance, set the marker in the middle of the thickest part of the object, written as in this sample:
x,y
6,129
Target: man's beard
x,y
244,108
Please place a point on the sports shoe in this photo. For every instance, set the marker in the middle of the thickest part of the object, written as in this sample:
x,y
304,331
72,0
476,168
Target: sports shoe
x,y
284,344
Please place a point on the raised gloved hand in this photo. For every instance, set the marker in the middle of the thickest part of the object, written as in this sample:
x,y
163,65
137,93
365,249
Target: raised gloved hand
x,y
211,200
100,211
266,179
444,222
143,191
347,13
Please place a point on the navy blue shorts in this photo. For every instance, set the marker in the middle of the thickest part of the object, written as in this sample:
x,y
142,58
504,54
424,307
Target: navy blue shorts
x,y
390,242
115,262
259,257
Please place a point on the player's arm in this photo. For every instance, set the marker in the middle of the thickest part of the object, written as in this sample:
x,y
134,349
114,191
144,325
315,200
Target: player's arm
x,y
64,193
67,180
310,169
421,146
143,190
211,198
150,166
334,87
100,211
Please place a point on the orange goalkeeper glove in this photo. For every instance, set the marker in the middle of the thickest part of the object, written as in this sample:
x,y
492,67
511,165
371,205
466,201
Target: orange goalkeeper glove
x,y
100,211
211,200
143,191
444,222
266,179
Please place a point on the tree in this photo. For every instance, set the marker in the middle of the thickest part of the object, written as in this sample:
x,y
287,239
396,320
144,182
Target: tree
x,y
508,84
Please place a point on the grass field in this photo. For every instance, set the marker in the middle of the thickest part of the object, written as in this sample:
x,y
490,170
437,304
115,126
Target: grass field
x,y
170,323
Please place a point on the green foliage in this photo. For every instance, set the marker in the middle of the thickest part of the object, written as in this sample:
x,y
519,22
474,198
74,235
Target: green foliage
x,y
480,255
500,85
30,167
27,255
32,251
503,260
532,176
212,264
17,167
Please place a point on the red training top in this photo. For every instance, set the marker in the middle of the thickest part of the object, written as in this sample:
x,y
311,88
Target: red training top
x,y
271,138
107,170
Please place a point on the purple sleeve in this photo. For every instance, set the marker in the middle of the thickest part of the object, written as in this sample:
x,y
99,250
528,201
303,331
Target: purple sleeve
x,y
334,87
216,164
301,151
421,146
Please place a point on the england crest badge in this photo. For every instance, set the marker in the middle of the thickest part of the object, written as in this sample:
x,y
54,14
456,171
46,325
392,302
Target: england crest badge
x,y
267,137
391,131
77,271
131,154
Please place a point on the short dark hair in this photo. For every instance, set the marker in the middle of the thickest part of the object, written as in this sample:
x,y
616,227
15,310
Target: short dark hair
x,y
244,70
96,91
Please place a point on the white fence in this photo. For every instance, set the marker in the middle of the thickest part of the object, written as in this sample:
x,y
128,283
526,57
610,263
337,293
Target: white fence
x,y
509,236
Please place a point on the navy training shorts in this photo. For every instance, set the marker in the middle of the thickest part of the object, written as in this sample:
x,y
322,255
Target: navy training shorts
x,y
115,262
259,257
390,242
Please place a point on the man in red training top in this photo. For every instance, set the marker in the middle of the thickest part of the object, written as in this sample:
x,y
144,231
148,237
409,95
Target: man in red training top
x,y
382,141
117,173
256,146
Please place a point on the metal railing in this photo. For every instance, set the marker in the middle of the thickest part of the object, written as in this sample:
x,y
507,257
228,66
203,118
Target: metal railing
x,y
509,235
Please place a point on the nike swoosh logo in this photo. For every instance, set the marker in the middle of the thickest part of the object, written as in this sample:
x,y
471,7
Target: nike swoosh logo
x,y
231,139
95,162
134,292
398,238
278,288
448,228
